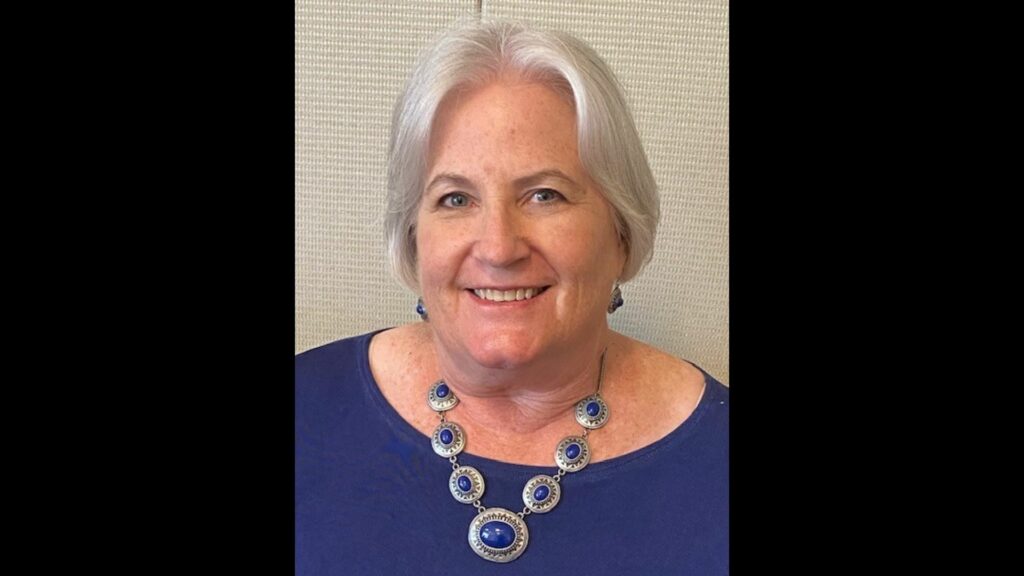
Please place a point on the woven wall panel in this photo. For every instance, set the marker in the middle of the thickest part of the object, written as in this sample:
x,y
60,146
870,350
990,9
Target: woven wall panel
x,y
672,58
351,59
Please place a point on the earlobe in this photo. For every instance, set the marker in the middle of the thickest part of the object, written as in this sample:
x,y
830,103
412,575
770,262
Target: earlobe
x,y
622,237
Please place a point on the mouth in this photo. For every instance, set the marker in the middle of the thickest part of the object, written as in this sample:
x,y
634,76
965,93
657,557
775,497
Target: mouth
x,y
509,294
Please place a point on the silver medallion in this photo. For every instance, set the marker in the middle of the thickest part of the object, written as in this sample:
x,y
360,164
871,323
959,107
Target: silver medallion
x,y
592,404
456,439
475,488
572,453
541,494
445,401
498,535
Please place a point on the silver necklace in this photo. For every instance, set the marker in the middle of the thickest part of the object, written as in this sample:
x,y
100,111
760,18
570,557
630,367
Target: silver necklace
x,y
498,534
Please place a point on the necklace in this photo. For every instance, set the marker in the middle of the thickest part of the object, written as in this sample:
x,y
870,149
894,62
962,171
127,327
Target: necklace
x,y
498,534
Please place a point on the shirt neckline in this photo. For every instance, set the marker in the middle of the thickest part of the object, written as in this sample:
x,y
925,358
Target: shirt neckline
x,y
711,393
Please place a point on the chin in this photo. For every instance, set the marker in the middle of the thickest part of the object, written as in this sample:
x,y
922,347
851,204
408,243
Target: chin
x,y
503,350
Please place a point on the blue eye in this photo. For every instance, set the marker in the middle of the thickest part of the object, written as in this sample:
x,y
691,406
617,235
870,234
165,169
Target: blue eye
x,y
545,195
454,200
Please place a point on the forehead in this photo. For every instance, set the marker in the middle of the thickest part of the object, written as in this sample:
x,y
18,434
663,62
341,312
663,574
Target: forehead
x,y
504,121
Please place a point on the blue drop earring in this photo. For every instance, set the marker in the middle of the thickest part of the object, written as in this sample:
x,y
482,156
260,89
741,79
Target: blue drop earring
x,y
421,310
616,301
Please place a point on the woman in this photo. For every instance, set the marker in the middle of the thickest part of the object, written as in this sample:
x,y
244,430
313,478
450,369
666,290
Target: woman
x,y
511,425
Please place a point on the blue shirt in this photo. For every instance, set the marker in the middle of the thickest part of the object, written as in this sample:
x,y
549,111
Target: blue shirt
x,y
372,497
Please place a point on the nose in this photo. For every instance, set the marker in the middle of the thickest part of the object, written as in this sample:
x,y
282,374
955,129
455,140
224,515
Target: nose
x,y
500,240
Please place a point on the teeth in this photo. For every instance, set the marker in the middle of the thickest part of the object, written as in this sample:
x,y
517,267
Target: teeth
x,y
506,295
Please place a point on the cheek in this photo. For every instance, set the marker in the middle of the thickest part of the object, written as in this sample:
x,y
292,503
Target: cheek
x,y
594,250
425,252
437,249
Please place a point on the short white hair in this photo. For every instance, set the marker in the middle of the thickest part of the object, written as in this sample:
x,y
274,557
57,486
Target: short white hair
x,y
475,52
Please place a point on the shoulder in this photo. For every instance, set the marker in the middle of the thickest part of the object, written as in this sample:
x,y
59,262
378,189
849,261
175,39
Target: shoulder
x,y
325,374
663,375
394,353
315,361
654,391
381,355
400,360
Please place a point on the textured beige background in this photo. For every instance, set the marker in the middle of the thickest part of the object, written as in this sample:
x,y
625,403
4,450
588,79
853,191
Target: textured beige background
x,y
672,58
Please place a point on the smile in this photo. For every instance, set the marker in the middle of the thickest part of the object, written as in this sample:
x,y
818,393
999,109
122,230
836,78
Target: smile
x,y
508,295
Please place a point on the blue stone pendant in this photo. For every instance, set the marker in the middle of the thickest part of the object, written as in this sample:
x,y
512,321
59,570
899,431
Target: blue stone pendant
x,y
441,397
572,453
498,535
466,484
541,493
592,412
448,439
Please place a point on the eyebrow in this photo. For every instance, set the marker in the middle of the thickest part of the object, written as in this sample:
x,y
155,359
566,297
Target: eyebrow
x,y
538,177
450,178
460,181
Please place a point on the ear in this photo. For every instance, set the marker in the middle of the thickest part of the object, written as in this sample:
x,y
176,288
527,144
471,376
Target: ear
x,y
413,252
624,249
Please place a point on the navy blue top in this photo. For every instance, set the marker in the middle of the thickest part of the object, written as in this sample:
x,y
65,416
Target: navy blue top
x,y
372,497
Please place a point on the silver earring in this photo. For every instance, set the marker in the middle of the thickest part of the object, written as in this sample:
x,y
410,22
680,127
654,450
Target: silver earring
x,y
616,301
420,309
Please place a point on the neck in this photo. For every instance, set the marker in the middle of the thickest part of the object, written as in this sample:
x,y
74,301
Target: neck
x,y
526,398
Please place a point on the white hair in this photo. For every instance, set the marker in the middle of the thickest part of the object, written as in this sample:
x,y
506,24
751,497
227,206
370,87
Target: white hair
x,y
473,53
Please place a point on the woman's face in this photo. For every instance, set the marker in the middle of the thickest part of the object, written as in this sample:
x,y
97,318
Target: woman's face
x,y
508,211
